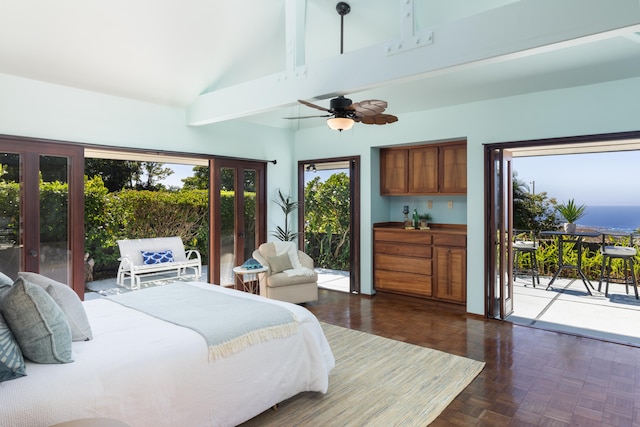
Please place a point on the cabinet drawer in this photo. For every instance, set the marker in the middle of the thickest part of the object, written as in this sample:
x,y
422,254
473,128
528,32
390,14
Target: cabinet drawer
x,y
418,284
403,264
449,240
400,236
419,251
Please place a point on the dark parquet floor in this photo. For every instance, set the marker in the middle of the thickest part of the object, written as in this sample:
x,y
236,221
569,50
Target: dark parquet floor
x,y
532,377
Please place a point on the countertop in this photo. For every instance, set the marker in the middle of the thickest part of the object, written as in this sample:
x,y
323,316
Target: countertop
x,y
434,228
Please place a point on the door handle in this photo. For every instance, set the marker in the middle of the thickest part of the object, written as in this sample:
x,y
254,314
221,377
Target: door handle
x,y
241,234
32,253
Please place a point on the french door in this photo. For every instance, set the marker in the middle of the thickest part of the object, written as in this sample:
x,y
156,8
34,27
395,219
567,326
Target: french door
x,y
237,215
41,210
498,233
352,164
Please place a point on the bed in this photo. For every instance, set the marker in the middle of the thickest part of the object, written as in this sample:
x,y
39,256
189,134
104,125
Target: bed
x,y
150,372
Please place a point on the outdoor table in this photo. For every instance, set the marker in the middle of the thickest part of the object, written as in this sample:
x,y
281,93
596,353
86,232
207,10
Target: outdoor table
x,y
566,237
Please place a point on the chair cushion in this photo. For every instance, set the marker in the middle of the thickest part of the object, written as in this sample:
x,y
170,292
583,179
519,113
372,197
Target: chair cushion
x,y
37,322
619,251
11,360
68,301
525,245
279,263
282,279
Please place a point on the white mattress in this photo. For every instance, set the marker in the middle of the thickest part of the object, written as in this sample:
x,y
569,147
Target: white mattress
x,y
147,372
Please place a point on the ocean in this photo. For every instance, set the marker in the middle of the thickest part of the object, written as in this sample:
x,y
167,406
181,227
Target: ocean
x,y
615,218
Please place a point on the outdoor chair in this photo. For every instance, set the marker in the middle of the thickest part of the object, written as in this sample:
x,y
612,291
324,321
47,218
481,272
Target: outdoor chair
x,y
525,242
627,254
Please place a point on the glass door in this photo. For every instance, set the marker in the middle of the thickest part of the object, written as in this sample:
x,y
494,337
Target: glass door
x,y
238,220
42,213
498,234
329,208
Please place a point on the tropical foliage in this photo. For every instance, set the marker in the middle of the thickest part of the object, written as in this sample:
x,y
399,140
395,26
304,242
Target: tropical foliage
x,y
288,206
327,221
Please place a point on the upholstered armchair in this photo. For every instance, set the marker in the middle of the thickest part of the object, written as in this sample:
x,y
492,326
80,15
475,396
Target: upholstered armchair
x,y
290,277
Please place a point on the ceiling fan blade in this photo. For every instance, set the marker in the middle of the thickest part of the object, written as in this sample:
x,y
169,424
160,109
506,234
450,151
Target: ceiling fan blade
x,y
317,107
370,107
379,119
307,117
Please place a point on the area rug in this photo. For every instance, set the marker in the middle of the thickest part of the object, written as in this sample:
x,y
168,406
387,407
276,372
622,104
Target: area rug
x,y
377,382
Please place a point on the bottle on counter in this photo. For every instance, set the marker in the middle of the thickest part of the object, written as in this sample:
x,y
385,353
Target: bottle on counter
x,y
416,219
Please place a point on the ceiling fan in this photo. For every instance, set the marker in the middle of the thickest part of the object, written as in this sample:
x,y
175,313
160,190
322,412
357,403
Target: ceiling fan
x,y
343,113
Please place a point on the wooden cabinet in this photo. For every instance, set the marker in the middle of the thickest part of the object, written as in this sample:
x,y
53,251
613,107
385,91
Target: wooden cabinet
x,y
394,170
424,169
450,281
429,264
453,161
402,261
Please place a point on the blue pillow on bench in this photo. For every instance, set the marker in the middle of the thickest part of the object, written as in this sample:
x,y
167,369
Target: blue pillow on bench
x,y
158,257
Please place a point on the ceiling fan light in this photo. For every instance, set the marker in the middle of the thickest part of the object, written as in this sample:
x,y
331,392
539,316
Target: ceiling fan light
x,y
340,123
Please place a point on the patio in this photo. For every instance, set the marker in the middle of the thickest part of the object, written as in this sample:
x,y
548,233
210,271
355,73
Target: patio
x,y
567,307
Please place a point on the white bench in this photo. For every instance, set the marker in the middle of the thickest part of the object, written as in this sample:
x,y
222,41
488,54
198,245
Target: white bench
x,y
132,263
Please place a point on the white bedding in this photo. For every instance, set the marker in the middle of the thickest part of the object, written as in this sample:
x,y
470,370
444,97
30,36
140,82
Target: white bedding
x,y
147,372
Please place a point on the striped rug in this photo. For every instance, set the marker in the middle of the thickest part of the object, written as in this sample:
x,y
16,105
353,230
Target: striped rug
x,y
377,382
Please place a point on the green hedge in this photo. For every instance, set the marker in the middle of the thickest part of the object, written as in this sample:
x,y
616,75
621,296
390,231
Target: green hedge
x,y
127,214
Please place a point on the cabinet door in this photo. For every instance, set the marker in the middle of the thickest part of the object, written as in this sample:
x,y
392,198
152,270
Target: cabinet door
x,y
451,273
394,171
423,170
453,168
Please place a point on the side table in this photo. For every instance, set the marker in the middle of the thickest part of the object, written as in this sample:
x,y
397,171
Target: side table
x,y
249,278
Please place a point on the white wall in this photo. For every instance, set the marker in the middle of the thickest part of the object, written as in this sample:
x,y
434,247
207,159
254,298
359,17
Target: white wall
x,y
602,108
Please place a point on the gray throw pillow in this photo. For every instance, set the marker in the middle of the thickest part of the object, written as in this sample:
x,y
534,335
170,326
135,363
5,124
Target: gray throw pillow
x,y
5,284
5,280
68,301
37,323
279,263
11,360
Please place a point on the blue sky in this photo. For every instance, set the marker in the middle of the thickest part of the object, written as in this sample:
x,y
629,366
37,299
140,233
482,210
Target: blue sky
x,y
599,179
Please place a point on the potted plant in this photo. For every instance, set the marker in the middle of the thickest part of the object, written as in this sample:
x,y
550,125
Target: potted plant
x,y
571,213
424,220
288,206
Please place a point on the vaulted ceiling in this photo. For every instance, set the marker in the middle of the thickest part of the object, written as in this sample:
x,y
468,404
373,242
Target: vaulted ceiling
x,y
251,60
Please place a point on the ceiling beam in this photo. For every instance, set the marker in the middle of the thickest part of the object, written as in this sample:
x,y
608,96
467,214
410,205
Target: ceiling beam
x,y
295,14
522,28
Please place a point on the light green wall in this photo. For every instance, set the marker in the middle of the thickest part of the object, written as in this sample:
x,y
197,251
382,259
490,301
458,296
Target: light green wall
x,y
36,109
603,108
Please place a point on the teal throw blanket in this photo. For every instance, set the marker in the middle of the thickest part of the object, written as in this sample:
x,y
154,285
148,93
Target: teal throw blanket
x,y
227,323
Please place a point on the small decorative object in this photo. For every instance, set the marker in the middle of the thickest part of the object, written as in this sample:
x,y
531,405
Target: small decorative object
x,y
251,264
407,221
571,213
416,219
424,221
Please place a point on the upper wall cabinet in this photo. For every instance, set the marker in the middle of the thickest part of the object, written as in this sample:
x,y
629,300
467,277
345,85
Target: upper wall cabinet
x,y
424,169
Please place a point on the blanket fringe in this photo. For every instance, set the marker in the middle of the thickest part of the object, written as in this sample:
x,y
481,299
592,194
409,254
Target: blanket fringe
x,y
237,344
